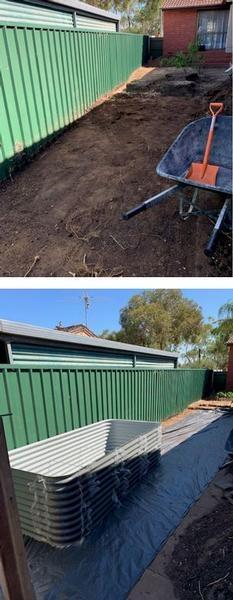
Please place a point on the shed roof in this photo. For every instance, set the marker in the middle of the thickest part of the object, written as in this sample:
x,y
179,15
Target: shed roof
x,y
14,329
81,7
168,4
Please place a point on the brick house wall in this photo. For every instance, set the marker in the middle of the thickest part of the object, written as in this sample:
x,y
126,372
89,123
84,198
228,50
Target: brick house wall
x,y
229,385
180,29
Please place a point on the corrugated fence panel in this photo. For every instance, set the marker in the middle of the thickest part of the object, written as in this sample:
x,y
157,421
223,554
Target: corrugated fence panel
x,y
219,381
45,401
50,77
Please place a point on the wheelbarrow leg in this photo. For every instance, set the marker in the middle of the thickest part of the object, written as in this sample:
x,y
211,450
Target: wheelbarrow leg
x,y
209,249
185,214
151,201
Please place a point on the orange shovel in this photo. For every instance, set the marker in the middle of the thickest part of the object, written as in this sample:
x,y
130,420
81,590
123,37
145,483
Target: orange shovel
x,y
203,172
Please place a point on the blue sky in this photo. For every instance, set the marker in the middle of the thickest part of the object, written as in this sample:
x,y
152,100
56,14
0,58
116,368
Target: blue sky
x,y
47,307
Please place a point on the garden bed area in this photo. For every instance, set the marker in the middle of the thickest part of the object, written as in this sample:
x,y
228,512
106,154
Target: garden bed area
x,y
61,214
196,561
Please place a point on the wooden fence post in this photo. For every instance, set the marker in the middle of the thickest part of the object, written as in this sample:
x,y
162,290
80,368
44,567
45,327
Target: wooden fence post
x,y
14,574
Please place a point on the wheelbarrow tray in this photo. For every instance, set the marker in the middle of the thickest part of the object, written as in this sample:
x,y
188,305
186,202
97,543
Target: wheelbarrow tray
x,y
189,147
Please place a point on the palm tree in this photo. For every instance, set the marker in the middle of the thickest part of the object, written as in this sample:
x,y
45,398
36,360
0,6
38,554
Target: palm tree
x,y
227,311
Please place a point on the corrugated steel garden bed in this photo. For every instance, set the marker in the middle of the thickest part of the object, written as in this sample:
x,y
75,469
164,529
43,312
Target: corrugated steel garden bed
x,y
66,484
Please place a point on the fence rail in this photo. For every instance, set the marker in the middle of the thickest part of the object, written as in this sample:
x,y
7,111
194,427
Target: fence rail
x,y
45,401
50,77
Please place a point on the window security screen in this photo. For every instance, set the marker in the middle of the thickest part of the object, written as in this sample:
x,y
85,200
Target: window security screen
x,y
212,28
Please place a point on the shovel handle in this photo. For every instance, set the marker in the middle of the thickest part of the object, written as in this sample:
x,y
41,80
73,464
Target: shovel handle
x,y
216,108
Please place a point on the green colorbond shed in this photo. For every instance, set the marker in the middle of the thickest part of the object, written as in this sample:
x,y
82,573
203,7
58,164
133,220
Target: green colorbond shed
x,y
22,344
60,13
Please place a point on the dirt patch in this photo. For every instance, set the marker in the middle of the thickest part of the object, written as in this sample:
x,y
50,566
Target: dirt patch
x,y
196,561
66,205
201,563
172,420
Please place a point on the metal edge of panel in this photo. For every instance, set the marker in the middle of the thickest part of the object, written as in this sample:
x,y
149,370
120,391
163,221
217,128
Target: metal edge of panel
x,y
30,331
86,428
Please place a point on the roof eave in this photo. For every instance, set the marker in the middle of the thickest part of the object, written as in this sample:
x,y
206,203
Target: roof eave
x,y
82,7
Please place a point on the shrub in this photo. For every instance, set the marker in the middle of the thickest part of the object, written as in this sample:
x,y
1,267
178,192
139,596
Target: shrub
x,y
224,394
190,58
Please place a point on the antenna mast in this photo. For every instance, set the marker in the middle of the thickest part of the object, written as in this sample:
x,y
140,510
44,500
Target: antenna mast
x,y
86,301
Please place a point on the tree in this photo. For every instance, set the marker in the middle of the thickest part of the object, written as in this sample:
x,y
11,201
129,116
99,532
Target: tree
x,y
160,318
136,16
148,17
104,4
221,334
200,355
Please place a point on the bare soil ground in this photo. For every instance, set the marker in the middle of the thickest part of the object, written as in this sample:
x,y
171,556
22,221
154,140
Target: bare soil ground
x,y
196,562
61,215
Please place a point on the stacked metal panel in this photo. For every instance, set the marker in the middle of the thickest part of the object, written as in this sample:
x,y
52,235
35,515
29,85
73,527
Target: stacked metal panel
x,y
65,485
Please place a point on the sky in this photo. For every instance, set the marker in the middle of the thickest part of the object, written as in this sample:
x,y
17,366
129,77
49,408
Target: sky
x,y
47,307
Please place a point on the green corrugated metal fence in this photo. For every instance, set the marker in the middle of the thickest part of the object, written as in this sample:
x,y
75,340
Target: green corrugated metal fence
x,y
45,401
219,381
50,77
155,47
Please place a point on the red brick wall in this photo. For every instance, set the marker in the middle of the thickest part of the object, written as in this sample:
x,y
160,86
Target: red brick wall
x,y
179,29
217,58
230,369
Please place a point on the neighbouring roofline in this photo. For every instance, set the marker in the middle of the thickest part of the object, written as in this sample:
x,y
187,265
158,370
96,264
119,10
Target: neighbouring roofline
x,y
72,329
80,7
12,328
180,4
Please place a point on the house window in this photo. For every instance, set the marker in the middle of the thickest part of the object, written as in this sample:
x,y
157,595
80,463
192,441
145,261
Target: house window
x,y
212,29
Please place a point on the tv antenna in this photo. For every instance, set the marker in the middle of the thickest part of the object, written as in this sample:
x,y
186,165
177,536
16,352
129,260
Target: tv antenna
x,y
87,302
86,299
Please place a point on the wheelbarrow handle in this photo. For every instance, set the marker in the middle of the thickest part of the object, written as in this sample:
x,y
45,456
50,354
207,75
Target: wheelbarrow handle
x,y
216,108
155,200
210,247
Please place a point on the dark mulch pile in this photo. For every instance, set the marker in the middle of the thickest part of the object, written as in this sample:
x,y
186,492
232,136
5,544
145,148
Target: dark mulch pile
x,y
203,556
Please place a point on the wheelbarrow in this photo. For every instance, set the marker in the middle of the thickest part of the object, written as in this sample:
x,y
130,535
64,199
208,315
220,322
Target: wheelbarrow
x,y
188,148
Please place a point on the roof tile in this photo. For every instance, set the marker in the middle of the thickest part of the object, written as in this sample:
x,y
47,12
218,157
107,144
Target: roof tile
x,y
190,3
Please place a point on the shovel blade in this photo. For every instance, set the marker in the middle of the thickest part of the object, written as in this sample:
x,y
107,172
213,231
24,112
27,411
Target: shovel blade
x,y
208,177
